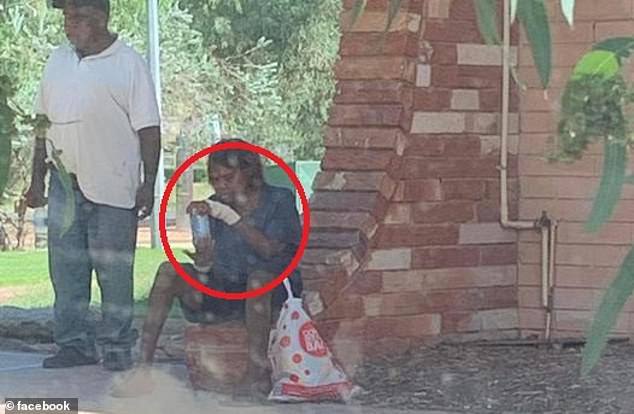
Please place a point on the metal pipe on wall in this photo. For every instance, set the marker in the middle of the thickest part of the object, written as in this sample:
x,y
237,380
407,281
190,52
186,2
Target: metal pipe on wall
x,y
546,225
552,241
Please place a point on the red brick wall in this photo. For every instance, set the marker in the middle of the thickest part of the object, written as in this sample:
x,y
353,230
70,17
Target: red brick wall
x,y
461,266
585,262
406,243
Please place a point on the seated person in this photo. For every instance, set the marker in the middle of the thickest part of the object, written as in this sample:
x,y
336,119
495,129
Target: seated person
x,y
255,231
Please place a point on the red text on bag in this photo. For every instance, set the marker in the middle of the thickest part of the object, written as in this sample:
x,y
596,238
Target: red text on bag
x,y
311,341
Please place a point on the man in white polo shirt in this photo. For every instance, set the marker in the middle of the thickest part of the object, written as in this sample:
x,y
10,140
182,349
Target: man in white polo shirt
x,y
98,95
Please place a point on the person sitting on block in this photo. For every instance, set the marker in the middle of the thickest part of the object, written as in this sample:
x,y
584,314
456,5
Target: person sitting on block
x,y
255,231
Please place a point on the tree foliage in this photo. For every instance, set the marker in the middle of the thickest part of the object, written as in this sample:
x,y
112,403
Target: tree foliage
x,y
27,33
265,67
286,52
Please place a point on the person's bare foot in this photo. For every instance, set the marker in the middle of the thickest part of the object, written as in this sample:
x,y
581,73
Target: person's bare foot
x,y
136,383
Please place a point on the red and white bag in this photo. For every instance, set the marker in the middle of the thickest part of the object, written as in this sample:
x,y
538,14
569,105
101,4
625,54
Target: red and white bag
x,y
304,369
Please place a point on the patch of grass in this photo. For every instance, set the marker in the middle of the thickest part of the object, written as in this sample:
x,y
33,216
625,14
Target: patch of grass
x,y
25,273
21,268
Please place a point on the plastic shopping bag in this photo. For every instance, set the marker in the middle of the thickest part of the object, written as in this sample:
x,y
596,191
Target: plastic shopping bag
x,y
304,369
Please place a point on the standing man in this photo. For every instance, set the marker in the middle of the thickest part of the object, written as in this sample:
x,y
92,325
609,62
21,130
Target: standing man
x,y
98,94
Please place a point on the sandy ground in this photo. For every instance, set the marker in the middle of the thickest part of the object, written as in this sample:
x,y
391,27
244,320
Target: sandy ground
x,y
21,376
7,293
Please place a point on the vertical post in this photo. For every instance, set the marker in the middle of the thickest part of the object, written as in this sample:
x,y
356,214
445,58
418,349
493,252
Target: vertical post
x,y
185,187
154,62
216,128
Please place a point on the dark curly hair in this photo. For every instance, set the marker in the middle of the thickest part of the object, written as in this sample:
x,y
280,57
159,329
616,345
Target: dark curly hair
x,y
248,162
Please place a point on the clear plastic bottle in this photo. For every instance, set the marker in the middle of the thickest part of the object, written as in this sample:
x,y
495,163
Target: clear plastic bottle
x,y
200,228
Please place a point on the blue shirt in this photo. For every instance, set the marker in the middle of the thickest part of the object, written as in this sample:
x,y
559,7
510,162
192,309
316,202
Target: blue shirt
x,y
234,258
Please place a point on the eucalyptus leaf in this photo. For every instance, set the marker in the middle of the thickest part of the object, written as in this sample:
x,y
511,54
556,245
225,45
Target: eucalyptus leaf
x,y
597,62
533,16
614,299
621,46
357,11
393,10
568,9
610,187
67,184
486,12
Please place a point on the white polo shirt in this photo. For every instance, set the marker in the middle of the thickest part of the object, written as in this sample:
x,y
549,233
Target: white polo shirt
x,y
96,106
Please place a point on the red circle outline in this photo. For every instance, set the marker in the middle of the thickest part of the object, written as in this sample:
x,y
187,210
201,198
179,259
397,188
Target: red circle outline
x,y
163,217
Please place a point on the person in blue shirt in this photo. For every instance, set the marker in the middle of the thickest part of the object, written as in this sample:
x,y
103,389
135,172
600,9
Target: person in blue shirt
x,y
254,234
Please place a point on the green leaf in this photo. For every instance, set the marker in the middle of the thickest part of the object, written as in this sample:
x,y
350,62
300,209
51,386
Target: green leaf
x,y
614,299
610,187
67,185
394,7
597,62
621,46
357,11
486,12
568,9
516,78
513,10
533,16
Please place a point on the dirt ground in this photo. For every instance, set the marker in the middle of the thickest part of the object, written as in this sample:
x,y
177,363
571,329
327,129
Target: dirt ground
x,y
501,379
474,379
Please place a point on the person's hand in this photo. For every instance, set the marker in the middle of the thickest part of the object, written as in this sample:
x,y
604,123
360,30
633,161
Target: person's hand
x,y
203,256
34,196
144,200
214,209
198,207
223,212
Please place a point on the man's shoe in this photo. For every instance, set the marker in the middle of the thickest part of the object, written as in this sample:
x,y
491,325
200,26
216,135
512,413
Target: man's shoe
x,y
68,357
117,361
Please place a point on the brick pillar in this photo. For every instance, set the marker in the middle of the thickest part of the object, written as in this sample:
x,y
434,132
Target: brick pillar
x,y
365,142
446,209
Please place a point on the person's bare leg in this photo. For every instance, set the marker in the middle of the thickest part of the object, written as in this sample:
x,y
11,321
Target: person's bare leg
x,y
258,324
168,285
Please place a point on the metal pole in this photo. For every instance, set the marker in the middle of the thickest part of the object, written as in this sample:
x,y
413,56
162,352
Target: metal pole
x,y
155,68
216,128
185,187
